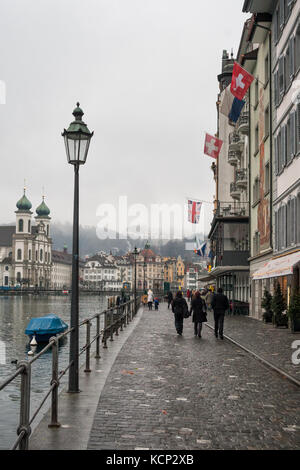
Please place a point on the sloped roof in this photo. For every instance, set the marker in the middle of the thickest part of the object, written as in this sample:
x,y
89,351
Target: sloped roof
x,y
148,253
6,233
102,260
7,260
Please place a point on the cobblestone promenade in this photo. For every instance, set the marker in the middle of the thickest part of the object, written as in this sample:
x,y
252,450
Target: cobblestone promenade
x,y
171,392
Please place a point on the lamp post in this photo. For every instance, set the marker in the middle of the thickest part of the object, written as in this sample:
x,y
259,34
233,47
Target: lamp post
x,y
135,252
145,266
77,141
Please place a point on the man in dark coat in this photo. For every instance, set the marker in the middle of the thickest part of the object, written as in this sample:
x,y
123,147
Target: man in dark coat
x,y
220,304
170,298
198,308
179,308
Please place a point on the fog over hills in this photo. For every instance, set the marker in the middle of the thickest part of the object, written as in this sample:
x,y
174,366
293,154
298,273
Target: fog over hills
x,y
90,243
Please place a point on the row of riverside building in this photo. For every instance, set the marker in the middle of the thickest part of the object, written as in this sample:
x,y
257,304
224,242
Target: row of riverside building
x,y
28,260
255,232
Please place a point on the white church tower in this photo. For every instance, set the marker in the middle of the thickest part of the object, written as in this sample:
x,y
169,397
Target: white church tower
x,y
22,250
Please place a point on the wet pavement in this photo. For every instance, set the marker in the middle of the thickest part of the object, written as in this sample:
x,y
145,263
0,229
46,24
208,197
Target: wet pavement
x,y
170,392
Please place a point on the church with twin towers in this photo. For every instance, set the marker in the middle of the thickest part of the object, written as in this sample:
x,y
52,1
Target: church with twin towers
x,y
26,255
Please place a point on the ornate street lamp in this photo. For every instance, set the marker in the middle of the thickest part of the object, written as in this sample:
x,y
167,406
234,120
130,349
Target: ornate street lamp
x,y
77,141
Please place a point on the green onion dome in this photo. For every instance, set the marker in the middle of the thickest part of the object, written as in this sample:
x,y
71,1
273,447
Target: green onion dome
x,y
24,204
43,210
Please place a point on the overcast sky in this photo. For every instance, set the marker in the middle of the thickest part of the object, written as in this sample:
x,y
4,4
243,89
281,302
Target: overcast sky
x,y
144,72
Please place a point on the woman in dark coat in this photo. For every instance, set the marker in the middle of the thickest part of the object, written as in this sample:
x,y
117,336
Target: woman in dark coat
x,y
179,308
198,308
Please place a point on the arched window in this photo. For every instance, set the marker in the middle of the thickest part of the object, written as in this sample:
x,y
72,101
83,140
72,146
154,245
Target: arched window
x,y
47,230
29,226
21,225
41,254
29,255
19,254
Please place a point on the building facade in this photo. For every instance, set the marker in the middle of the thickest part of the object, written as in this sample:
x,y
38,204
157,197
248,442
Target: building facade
x,y
229,234
102,273
281,227
26,255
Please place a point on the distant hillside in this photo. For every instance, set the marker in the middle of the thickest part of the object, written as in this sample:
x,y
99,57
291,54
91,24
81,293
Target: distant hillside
x,y
90,243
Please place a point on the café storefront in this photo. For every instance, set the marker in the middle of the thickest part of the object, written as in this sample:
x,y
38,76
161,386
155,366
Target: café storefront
x,y
282,269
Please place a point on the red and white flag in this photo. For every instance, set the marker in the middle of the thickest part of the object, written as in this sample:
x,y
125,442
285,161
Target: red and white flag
x,y
212,146
241,80
194,209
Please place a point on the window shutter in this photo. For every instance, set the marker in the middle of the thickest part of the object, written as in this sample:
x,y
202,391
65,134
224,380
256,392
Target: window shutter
x,y
276,88
283,142
288,223
281,14
293,221
279,150
276,154
293,134
298,129
287,67
284,225
290,4
298,218
281,228
281,75
275,30
292,58
288,140
276,230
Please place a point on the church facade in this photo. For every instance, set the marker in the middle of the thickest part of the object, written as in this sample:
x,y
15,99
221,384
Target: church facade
x,y
26,257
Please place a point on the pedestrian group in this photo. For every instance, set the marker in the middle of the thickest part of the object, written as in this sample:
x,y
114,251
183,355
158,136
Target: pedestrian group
x,y
200,303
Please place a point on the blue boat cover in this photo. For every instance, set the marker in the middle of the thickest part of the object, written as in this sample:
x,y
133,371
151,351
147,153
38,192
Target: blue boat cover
x,y
46,325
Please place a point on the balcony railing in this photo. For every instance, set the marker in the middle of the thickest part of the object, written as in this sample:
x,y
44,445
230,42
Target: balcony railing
x,y
236,141
235,191
232,209
241,178
243,123
233,157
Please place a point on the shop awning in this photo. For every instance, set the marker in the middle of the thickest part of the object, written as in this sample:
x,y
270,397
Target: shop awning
x,y
278,267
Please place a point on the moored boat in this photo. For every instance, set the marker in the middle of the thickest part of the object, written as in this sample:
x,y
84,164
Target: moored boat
x,y
43,328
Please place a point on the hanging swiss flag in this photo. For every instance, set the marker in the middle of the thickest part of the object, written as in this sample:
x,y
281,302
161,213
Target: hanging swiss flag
x,y
212,146
241,80
194,208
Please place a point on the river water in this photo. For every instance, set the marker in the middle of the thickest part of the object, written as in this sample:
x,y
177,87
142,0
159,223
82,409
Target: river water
x,y
15,314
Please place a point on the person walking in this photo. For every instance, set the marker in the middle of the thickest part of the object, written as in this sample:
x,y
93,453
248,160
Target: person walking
x,y
203,297
170,298
150,299
180,309
208,299
188,294
199,313
220,304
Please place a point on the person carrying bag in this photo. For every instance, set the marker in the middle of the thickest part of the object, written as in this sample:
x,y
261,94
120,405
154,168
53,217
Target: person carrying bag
x,y
198,307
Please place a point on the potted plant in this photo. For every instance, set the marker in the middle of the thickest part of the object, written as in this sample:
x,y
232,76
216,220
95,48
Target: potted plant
x,y
294,311
266,304
278,304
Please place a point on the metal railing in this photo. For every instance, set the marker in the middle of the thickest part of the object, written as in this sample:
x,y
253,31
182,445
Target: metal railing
x,y
115,319
232,209
241,175
234,138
